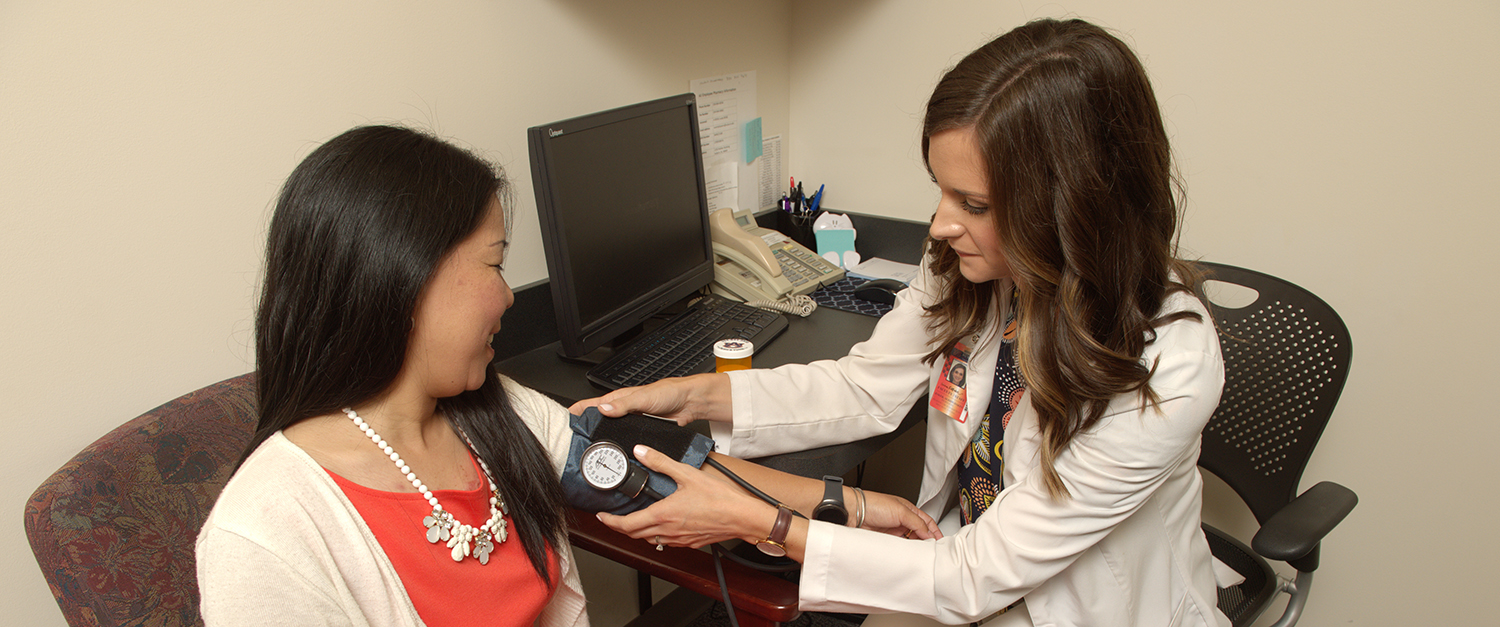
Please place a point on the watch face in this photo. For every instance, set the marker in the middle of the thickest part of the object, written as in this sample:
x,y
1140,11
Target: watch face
x,y
833,512
771,548
604,465
831,509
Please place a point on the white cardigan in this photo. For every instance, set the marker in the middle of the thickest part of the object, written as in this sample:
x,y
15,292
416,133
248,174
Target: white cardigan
x,y
284,546
1125,550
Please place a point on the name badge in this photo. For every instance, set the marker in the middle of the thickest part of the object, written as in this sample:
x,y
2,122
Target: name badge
x,y
950,396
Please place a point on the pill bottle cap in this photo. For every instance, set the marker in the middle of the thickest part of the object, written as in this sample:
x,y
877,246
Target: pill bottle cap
x,y
733,348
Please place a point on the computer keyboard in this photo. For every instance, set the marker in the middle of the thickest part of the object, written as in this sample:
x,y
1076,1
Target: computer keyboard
x,y
684,345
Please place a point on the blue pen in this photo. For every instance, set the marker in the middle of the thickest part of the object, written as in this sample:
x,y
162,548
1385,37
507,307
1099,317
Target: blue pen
x,y
817,199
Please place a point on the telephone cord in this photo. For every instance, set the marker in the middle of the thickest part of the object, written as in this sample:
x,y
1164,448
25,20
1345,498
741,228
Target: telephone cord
x,y
799,305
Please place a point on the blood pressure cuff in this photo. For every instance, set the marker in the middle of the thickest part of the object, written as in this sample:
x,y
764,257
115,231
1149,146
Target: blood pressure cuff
x,y
680,443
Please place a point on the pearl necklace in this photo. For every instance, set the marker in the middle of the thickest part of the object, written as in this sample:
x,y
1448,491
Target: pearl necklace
x,y
441,525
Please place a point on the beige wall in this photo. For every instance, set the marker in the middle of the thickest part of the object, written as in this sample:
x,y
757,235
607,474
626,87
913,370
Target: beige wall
x,y
141,145
1346,146
1350,147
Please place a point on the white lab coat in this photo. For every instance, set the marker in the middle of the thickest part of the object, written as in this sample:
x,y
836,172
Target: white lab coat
x,y
1125,549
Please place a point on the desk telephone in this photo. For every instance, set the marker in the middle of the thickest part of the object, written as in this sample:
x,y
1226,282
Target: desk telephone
x,y
758,264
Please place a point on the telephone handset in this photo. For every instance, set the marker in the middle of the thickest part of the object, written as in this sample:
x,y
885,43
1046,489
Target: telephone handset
x,y
745,266
757,264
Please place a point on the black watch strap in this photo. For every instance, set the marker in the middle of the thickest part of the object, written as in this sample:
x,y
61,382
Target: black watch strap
x,y
831,508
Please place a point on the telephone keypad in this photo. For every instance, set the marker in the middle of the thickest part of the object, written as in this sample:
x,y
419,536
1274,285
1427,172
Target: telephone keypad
x,y
801,266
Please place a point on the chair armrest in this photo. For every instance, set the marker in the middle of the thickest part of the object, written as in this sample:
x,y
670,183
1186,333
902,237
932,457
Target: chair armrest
x,y
759,593
1293,533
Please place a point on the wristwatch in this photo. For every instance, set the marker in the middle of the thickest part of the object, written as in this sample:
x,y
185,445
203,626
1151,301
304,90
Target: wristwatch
x,y
775,544
832,509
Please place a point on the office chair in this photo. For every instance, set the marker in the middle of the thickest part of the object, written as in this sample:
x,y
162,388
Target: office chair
x,y
1286,356
114,528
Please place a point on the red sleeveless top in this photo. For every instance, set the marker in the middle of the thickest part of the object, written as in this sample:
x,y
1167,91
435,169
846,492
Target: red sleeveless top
x,y
506,592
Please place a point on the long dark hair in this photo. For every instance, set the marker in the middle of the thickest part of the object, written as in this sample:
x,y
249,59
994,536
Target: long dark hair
x,y
360,226
1084,202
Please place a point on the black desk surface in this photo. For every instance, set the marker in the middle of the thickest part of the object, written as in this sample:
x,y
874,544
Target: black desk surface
x,y
827,333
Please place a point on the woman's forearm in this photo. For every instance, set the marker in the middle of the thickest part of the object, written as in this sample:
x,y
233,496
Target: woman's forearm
x,y
709,507
799,493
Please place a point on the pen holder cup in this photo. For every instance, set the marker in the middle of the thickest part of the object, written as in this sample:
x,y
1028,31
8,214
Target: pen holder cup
x,y
799,228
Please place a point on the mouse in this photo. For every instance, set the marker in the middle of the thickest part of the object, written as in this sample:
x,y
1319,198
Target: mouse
x,y
879,291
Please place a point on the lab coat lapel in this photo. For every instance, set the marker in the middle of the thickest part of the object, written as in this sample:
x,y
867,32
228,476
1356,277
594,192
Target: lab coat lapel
x,y
947,437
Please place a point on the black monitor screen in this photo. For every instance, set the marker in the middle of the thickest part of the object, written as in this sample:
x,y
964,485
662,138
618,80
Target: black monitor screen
x,y
624,216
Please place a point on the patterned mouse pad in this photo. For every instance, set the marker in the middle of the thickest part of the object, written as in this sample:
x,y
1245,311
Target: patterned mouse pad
x,y
840,295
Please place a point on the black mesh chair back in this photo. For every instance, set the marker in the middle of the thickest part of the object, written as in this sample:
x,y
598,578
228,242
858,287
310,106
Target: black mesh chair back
x,y
1286,358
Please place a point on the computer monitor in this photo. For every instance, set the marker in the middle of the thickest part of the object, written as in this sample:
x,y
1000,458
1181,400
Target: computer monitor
x,y
624,216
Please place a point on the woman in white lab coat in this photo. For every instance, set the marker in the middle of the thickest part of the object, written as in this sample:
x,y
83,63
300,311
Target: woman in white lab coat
x,y
1063,468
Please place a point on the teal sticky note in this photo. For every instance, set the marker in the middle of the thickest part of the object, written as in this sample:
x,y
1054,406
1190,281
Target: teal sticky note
x,y
751,140
835,241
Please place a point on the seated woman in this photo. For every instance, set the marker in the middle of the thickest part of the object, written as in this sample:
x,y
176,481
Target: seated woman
x,y
1062,464
394,478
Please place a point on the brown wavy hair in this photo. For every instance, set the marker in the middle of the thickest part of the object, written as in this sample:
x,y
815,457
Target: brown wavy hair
x,y
1086,209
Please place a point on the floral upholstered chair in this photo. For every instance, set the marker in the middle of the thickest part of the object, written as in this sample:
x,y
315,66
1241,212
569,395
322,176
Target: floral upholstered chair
x,y
113,529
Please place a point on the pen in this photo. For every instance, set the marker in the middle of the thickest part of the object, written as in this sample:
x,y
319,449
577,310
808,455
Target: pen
x,y
817,200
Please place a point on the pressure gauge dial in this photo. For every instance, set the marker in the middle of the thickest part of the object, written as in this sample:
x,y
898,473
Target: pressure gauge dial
x,y
604,465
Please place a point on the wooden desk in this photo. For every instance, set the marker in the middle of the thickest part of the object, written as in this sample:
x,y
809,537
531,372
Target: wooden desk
x,y
760,599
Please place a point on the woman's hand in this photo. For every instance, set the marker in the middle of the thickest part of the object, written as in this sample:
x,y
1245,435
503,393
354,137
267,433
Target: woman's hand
x,y
683,399
705,509
898,517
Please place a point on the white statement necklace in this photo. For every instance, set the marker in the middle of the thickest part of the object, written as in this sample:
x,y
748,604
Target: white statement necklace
x,y
441,525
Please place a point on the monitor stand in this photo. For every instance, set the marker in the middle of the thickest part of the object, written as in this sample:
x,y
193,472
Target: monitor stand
x,y
622,340
599,355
